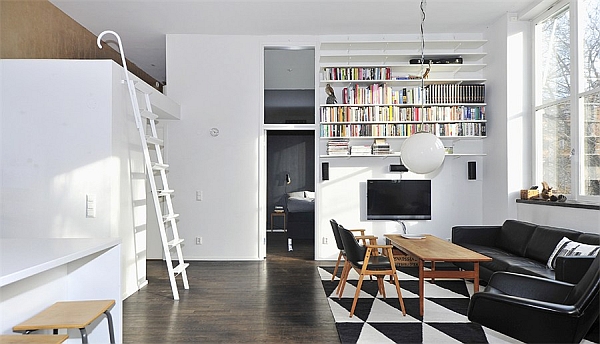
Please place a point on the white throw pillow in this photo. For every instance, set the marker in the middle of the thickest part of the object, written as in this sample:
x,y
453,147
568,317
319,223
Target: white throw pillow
x,y
309,194
567,247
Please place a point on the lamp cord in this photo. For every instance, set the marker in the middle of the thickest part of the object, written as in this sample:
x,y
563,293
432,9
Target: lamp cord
x,y
422,7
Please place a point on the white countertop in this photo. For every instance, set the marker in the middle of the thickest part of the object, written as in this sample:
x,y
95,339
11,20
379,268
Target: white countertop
x,y
21,258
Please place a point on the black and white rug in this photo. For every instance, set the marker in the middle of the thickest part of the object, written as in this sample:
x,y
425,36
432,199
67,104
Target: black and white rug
x,y
378,320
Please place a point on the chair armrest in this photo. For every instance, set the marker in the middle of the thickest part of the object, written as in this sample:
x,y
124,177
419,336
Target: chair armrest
x,y
372,239
528,287
478,235
571,269
362,231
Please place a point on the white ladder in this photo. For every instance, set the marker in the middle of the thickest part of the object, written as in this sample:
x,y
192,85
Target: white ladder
x,y
167,220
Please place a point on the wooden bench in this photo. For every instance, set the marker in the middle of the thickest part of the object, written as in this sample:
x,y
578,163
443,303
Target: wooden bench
x,y
33,339
69,315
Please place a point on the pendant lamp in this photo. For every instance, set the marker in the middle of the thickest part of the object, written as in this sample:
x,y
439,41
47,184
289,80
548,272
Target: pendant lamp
x,y
422,153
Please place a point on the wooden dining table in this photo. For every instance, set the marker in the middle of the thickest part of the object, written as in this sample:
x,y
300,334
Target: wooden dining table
x,y
429,248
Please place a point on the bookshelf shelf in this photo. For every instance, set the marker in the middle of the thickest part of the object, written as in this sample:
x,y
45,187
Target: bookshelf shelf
x,y
396,155
379,95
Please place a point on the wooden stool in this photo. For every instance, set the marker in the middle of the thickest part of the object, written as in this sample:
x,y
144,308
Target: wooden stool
x,y
70,314
33,339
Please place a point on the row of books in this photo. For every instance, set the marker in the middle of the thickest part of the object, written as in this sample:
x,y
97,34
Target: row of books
x,y
369,113
357,73
431,94
450,93
403,130
391,113
381,94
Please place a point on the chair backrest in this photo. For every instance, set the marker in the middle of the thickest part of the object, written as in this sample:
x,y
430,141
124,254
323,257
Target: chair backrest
x,y
354,252
336,234
588,287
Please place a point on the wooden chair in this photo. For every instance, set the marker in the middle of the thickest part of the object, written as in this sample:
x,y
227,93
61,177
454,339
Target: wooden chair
x,y
340,245
347,266
370,264
67,315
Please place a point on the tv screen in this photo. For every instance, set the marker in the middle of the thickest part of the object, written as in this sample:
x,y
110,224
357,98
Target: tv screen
x,y
398,199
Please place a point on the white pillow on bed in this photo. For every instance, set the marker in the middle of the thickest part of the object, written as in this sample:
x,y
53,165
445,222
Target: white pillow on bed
x,y
309,194
296,194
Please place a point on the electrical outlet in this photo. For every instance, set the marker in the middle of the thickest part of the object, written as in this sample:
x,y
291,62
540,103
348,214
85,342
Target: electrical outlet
x,y
325,240
199,195
198,240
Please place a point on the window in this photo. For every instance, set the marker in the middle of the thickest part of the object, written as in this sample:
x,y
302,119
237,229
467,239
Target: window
x,y
567,99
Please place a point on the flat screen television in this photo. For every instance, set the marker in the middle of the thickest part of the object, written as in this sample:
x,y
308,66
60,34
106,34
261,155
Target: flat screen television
x,y
398,199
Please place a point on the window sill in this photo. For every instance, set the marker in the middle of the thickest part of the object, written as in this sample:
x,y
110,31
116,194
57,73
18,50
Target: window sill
x,y
568,204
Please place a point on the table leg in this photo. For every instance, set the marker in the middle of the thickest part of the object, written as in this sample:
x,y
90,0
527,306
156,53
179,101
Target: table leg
x,y
476,279
421,287
432,269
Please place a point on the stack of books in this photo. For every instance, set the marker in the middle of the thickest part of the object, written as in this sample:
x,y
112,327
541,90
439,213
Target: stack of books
x,y
338,147
381,147
279,209
360,150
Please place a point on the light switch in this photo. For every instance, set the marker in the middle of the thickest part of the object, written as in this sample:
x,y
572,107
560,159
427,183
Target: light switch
x,y
90,205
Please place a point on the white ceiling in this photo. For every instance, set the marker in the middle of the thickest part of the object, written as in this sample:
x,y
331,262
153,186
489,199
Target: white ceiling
x,y
143,24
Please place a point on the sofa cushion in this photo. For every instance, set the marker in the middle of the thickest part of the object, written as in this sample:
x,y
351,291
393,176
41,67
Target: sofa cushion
x,y
531,267
567,247
514,236
544,239
499,257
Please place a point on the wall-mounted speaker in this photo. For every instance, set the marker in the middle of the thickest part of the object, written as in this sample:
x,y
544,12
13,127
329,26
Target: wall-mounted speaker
x,y
472,170
325,171
398,168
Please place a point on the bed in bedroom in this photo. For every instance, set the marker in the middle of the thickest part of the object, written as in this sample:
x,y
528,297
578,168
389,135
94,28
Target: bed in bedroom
x,y
300,212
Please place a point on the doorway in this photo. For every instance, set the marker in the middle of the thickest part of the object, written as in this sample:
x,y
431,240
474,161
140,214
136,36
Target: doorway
x,y
290,193
289,119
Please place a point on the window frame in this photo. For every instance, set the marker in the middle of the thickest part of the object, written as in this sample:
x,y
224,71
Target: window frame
x,y
575,99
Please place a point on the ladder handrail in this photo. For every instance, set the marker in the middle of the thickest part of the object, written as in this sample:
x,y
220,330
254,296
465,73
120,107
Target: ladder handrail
x,y
130,87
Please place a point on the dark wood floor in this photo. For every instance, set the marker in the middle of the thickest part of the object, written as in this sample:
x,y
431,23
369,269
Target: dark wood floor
x,y
279,300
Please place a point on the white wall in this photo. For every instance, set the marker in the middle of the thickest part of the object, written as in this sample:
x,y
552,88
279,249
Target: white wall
x,y
508,94
455,199
71,133
585,220
217,81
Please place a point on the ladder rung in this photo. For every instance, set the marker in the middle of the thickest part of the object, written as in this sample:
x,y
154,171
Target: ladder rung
x,y
180,268
165,192
147,114
174,243
169,217
157,166
154,140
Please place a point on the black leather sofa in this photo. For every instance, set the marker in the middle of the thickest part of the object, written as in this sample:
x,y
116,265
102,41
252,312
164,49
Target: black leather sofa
x,y
523,248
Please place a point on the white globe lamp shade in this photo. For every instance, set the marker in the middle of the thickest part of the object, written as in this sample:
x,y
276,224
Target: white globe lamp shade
x,y
422,153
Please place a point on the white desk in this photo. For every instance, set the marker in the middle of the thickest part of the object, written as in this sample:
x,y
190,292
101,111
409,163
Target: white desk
x,y
35,273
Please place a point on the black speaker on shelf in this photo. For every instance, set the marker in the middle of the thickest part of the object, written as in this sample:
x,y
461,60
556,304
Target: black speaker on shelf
x,y
325,171
472,170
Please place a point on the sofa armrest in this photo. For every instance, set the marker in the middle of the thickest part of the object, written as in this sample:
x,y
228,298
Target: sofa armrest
x,y
529,287
571,269
477,235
